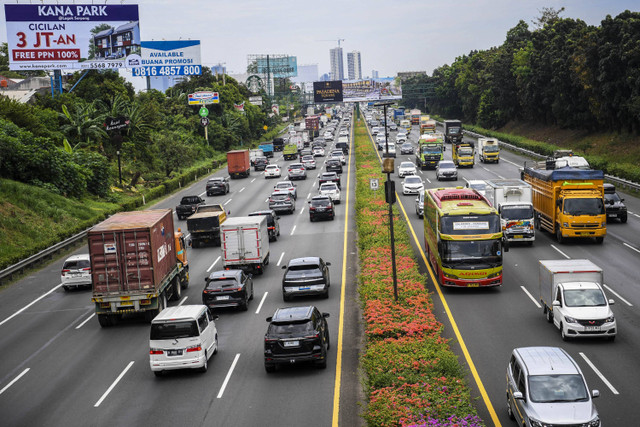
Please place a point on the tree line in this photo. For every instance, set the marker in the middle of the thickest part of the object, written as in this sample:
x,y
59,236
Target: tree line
x,y
562,72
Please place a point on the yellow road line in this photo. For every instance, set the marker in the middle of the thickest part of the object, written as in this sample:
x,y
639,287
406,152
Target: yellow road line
x,y
463,346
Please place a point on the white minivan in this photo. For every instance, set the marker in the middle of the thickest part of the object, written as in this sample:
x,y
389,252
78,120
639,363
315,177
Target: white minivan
x,y
182,337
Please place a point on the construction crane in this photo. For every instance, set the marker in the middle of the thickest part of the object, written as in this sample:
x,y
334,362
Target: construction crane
x,y
339,40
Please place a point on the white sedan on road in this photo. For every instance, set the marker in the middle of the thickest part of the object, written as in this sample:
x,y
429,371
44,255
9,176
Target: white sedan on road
x,y
406,169
272,171
412,185
331,190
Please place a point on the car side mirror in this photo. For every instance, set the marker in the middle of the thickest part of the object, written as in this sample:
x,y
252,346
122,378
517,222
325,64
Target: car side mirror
x,y
284,267
622,200
517,395
556,303
269,319
229,212
611,302
327,263
595,393
325,314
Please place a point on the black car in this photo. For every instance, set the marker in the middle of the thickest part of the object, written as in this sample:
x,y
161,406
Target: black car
x,y
614,206
321,207
217,185
296,335
343,146
306,276
260,163
333,165
329,177
228,288
406,148
272,222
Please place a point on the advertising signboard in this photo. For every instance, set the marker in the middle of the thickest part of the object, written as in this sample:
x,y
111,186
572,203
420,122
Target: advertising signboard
x,y
201,98
72,36
286,66
327,91
255,100
169,58
379,89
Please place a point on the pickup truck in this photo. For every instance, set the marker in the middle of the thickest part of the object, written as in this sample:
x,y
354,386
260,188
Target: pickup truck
x,y
204,225
329,177
188,206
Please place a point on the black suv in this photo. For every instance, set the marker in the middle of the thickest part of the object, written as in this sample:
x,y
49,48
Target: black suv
x,y
260,163
295,335
272,222
228,288
321,207
329,177
613,204
306,276
218,185
333,165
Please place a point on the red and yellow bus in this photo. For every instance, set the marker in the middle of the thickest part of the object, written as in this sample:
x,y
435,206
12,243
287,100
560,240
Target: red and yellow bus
x,y
463,238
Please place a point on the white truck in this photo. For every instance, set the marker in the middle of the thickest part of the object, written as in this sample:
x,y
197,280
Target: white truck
x,y
245,243
254,154
564,158
512,198
488,150
572,298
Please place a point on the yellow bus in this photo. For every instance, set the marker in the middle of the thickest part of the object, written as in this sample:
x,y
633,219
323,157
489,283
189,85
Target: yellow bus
x,y
463,238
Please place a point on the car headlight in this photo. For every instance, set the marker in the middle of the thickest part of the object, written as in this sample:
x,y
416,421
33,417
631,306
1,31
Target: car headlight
x,y
610,319
570,319
594,422
536,423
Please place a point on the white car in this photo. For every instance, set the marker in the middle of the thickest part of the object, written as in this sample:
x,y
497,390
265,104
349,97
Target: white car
x,y
309,162
401,138
318,152
76,272
344,132
389,150
478,184
338,154
286,187
446,169
406,169
375,130
272,171
331,190
328,136
412,185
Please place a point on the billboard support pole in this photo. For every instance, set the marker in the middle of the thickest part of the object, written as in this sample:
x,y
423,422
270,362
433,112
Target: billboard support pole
x,y
79,80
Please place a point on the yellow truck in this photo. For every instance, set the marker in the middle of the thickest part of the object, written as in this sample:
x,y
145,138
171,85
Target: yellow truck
x,y
463,154
488,150
427,125
568,202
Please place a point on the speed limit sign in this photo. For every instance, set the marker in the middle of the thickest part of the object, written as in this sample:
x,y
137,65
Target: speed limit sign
x,y
374,183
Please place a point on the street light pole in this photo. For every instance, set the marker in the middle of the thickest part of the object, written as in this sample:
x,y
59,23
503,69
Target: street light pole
x,y
119,168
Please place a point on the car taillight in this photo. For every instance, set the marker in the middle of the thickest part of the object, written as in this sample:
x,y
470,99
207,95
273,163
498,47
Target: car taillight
x,y
317,335
270,339
194,348
287,199
312,208
86,269
65,271
155,351
271,228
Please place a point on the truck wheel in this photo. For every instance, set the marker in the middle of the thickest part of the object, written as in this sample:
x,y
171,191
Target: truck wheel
x,y
548,314
559,234
599,240
104,321
176,289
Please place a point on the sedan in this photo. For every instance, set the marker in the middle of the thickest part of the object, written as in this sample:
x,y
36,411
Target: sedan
x,y
321,207
260,163
318,151
286,187
446,169
272,171
309,162
331,190
412,185
406,169
228,288
338,154
406,148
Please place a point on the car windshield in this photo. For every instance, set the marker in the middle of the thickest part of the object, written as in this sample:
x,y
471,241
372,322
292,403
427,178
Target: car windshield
x,y
76,264
328,187
407,165
165,331
517,212
584,298
591,206
279,196
221,282
446,165
306,268
296,328
612,197
320,202
284,185
557,388
272,167
405,146
413,180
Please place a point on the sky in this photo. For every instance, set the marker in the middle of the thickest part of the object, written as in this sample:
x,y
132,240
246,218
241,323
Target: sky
x,y
392,36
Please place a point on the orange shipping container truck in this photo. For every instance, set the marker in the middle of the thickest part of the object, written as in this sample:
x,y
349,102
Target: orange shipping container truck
x,y
238,163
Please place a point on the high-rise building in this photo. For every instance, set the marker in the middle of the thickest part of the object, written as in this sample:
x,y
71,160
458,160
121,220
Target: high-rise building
x,y
337,65
354,65
374,74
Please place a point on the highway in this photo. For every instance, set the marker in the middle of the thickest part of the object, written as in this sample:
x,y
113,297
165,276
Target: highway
x,y
59,367
492,322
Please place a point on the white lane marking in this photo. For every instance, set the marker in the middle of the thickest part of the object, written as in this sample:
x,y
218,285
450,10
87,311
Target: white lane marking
x,y
85,321
501,177
253,179
509,161
308,196
241,190
264,297
14,380
202,194
313,184
29,305
421,172
634,214
280,260
598,373
618,295
486,169
561,253
226,380
293,229
465,179
227,202
267,200
301,210
214,263
106,393
182,302
627,245
187,236
531,296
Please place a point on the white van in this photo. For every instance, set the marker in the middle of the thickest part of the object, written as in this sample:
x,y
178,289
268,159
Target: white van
x,y
182,337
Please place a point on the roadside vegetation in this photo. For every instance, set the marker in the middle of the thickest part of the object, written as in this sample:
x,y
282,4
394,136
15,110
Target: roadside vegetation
x,y
411,376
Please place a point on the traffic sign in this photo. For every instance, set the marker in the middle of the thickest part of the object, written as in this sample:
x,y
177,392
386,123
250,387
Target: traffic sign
x,y
204,121
265,127
374,183
203,112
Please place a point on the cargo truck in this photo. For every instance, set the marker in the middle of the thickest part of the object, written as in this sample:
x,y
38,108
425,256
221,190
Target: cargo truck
x,y
427,126
278,144
204,225
572,298
463,154
512,198
238,163
245,243
290,152
568,202
138,263
488,150
430,152
415,116
452,131
267,148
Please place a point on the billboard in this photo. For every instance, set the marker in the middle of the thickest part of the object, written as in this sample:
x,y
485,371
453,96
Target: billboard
x,y
278,66
330,91
72,36
380,89
169,58
203,98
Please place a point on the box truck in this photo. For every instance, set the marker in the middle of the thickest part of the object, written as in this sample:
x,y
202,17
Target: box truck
x,y
245,243
512,198
238,163
488,150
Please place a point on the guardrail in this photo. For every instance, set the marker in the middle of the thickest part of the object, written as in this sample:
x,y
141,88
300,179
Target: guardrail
x,y
619,182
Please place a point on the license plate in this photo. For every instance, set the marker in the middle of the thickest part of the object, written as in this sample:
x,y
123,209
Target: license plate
x,y
592,328
291,343
126,302
303,288
222,297
517,237
174,352
473,285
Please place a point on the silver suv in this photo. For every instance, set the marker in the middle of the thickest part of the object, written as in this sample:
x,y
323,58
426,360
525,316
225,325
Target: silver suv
x,y
545,387
297,171
282,202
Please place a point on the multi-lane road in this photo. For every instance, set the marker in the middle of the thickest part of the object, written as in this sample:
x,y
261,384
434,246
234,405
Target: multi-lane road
x,y
60,368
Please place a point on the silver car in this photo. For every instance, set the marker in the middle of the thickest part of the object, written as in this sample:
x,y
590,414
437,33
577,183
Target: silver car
x,y
297,171
282,202
446,169
420,205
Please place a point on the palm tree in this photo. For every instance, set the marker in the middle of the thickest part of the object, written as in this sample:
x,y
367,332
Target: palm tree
x,y
84,127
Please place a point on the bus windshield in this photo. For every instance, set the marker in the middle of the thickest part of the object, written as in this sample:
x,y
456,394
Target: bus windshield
x,y
466,250
469,225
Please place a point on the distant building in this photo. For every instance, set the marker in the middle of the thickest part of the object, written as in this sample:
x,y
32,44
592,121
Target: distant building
x,y
406,74
337,65
306,73
354,65
374,74
218,69
325,77
162,83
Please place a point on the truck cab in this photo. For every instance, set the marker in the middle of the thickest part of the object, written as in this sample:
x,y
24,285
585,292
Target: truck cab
x,y
488,150
463,154
452,131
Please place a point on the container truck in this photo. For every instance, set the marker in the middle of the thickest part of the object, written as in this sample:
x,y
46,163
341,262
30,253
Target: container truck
x,y
238,163
512,198
138,262
463,154
568,202
415,116
572,298
204,225
488,150
267,148
452,131
245,243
